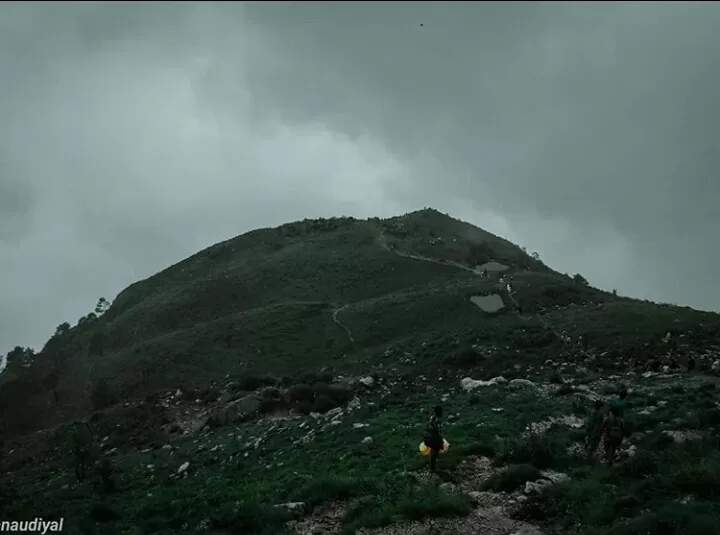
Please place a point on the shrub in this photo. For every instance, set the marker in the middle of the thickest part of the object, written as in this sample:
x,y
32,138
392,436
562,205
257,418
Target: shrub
x,y
303,407
323,404
301,392
250,383
339,394
541,451
512,478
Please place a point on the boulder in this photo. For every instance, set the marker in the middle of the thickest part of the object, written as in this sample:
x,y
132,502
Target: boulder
x,y
237,411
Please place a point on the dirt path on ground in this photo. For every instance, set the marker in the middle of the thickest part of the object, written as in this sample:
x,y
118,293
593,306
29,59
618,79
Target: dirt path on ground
x,y
382,241
340,323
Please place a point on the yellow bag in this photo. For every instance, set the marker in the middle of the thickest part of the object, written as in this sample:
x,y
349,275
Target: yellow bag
x,y
424,450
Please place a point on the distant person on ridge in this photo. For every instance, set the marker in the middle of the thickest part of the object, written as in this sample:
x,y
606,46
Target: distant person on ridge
x,y
594,428
614,432
434,436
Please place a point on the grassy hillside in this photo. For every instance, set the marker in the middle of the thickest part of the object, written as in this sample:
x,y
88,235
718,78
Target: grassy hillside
x,y
285,322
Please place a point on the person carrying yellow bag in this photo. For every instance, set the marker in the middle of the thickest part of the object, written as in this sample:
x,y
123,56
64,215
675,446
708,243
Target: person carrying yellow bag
x,y
433,439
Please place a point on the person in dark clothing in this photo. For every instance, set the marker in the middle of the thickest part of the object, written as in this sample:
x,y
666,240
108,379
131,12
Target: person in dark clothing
x,y
620,403
614,432
674,366
594,428
691,364
434,436
82,446
655,365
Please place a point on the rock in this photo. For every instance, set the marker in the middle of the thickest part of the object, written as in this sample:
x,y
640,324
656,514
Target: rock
x,y
334,413
237,411
537,486
555,477
183,467
367,440
468,383
359,426
354,404
683,436
292,507
475,496
367,381
528,530
522,383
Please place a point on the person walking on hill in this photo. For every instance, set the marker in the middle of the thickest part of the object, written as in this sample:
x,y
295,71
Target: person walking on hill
x,y
434,436
594,428
614,432
82,446
620,403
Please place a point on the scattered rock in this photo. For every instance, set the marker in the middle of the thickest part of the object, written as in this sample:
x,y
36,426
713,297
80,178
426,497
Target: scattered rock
x,y
468,383
368,440
522,383
297,508
237,411
183,467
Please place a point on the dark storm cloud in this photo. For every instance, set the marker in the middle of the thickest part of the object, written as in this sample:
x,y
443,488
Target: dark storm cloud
x,y
134,134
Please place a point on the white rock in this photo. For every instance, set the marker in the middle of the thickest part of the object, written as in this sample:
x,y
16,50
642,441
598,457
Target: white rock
x,y
359,425
468,383
367,381
537,486
183,467
367,440
521,383
334,412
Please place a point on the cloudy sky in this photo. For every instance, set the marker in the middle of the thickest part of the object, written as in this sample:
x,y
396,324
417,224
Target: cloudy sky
x,y
133,135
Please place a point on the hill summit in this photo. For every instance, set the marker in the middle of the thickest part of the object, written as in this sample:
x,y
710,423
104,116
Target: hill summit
x,y
301,361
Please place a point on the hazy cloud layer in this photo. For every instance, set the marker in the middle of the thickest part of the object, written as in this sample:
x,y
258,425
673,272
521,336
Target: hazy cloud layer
x,y
132,135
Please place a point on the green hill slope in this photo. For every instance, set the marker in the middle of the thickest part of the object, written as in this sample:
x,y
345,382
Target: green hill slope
x,y
317,295
297,364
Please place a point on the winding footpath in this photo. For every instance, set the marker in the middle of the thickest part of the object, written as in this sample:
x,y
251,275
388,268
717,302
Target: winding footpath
x,y
340,323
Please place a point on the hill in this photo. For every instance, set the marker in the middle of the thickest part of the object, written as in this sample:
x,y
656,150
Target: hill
x,y
228,360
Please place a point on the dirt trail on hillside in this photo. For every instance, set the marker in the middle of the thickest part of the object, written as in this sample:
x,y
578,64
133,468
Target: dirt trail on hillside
x,y
340,323
382,241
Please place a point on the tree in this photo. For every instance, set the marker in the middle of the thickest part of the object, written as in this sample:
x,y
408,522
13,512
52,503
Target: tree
x,y
102,306
62,329
580,280
535,255
15,353
87,319
24,354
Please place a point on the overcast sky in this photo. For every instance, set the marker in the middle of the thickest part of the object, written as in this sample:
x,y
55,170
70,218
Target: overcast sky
x,y
134,134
